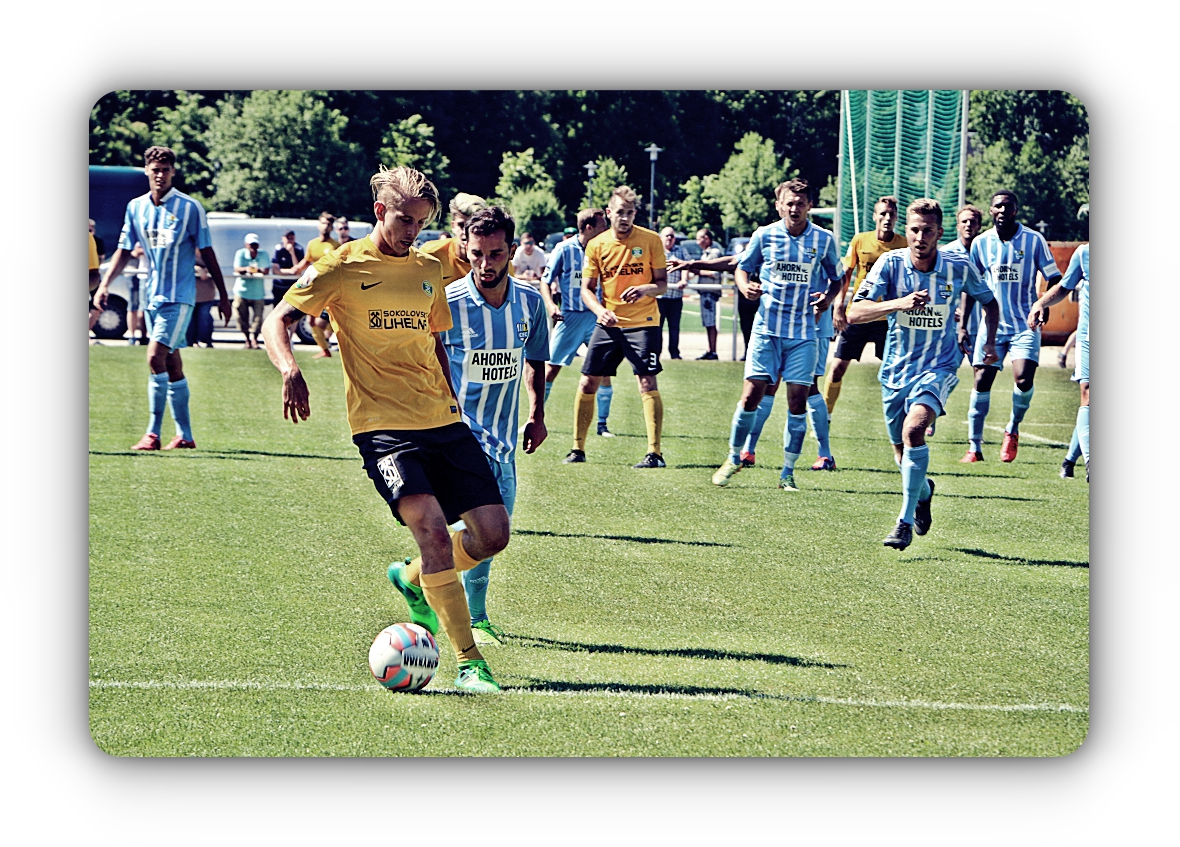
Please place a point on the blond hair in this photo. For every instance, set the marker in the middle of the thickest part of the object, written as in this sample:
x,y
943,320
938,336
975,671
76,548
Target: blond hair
x,y
404,183
924,206
624,193
467,204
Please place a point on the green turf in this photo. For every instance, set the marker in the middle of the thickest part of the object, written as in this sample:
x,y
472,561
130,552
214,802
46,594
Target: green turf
x,y
234,589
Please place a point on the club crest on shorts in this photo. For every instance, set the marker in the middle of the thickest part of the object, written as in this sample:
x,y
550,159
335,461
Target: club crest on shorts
x,y
428,288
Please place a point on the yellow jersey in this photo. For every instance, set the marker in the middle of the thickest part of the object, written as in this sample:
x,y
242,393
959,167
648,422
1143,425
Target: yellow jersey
x,y
446,250
93,253
318,247
620,264
386,311
863,252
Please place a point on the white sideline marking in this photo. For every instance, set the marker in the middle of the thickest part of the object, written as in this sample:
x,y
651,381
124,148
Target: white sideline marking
x,y
226,685
1028,435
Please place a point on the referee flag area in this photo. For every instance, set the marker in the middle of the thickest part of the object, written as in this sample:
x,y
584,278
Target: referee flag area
x,y
235,588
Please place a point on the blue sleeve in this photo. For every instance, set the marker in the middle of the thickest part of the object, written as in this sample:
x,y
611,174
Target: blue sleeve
x,y
831,262
1046,262
536,348
1073,271
554,267
879,283
127,236
452,339
203,238
976,257
976,287
751,260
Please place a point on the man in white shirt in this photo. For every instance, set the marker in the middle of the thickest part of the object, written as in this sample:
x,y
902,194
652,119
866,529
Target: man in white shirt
x,y
529,261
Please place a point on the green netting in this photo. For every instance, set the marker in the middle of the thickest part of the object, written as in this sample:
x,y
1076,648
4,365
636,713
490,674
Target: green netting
x,y
904,143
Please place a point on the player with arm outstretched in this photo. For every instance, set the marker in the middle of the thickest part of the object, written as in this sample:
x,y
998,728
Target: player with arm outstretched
x,y
390,309
917,289
499,341
793,267
1007,257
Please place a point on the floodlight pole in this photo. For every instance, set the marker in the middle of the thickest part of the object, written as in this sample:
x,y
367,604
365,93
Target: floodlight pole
x,y
591,169
654,152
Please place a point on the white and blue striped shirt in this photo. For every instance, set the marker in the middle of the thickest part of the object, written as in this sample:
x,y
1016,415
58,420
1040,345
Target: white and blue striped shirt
x,y
1010,270
565,265
921,340
1077,276
790,270
171,235
487,349
956,247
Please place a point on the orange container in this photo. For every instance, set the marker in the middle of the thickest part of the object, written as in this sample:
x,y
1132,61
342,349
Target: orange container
x,y
1063,318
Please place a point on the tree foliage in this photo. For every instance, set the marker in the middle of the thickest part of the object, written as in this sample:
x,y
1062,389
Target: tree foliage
x,y
526,190
744,189
410,143
281,153
609,176
184,127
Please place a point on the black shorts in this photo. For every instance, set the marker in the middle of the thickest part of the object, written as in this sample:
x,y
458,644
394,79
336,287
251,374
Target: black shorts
x,y
446,462
608,346
854,338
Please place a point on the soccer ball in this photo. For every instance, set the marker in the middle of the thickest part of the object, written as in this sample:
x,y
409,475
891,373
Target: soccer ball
x,y
404,657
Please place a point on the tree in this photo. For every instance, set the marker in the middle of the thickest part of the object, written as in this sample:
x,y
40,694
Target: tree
x,y
609,176
410,143
744,189
120,129
696,207
183,127
281,153
526,190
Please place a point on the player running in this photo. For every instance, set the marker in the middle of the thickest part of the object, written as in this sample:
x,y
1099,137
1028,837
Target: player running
x,y
389,307
172,229
918,289
791,261
1077,278
1008,257
500,338
628,262
573,322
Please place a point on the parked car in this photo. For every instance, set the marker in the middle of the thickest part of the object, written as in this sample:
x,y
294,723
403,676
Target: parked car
x,y
736,246
430,235
551,241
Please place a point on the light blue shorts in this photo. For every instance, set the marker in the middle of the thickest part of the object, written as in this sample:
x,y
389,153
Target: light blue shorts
x,y
930,389
167,324
1081,368
570,333
822,345
770,357
709,307
1020,345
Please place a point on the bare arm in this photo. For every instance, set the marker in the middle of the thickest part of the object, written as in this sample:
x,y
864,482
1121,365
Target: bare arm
x,y
657,286
276,335
1039,312
534,386
118,262
864,311
721,263
840,307
590,297
750,287
444,362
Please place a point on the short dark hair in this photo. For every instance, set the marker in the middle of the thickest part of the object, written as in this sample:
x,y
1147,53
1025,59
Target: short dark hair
x,y
526,234
159,154
1005,192
797,185
587,216
705,231
328,216
888,200
490,220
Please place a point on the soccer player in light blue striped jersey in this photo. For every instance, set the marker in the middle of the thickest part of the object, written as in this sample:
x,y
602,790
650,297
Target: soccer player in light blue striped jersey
x,y
919,287
796,275
500,338
1077,278
1008,257
573,322
172,229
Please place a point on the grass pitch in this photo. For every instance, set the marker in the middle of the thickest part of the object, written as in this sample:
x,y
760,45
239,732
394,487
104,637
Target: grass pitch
x,y
234,589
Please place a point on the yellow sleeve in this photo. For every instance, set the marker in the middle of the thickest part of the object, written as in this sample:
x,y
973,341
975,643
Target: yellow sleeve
x,y
93,253
659,259
591,264
850,256
318,286
440,311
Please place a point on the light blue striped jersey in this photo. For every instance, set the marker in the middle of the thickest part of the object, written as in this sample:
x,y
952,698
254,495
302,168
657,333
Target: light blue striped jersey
x,y
565,265
487,349
1077,276
790,270
921,340
1010,270
171,235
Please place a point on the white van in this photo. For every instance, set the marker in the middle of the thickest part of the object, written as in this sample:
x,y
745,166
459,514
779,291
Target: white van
x,y
227,231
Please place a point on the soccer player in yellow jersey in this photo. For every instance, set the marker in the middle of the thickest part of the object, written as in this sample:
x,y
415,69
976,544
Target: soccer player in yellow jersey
x,y
863,252
316,248
451,251
389,307
628,262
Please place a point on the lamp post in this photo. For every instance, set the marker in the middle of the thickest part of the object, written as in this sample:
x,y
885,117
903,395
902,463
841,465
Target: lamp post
x,y
591,169
654,152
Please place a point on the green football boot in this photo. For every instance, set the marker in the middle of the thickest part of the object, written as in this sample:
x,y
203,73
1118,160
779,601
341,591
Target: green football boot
x,y
787,482
420,611
486,632
474,676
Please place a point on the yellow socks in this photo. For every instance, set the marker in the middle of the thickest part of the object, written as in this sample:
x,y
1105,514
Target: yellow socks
x,y
831,392
463,562
445,595
653,417
583,415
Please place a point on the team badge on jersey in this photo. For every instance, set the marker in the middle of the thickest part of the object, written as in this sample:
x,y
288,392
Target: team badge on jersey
x,y
636,251
428,288
522,330
948,288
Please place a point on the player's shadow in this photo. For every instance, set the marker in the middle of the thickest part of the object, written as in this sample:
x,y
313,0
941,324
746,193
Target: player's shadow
x,y
674,652
895,472
223,455
1020,560
544,533
567,687
989,497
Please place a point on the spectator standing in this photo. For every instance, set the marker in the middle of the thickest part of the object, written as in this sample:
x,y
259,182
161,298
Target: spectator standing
x,y
671,302
200,328
287,255
709,299
95,279
316,249
251,266
529,260
341,229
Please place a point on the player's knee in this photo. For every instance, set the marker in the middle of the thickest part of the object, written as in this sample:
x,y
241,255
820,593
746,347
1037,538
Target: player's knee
x,y
490,535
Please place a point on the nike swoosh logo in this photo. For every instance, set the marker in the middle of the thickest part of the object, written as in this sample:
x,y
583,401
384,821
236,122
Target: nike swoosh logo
x,y
373,285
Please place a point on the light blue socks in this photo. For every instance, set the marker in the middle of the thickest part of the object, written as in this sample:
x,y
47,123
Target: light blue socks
x,y
1020,403
914,462
157,400
604,395
817,414
793,440
765,406
1083,428
739,428
976,413
475,586
178,403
